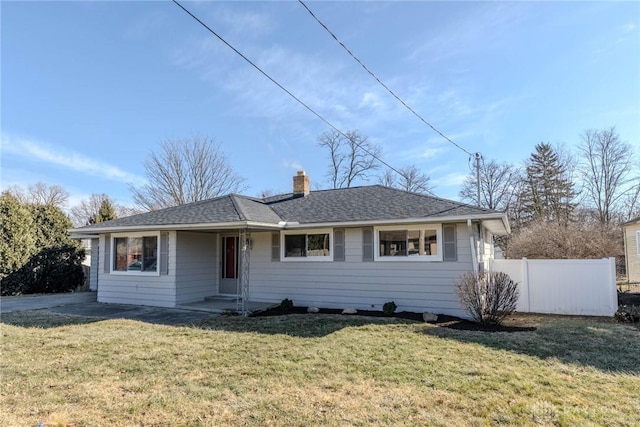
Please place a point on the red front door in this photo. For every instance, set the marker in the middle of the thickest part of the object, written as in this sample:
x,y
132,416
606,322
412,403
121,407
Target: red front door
x,y
230,257
229,267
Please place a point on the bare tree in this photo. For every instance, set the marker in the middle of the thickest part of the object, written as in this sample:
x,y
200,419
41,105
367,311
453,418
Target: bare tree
x,y
408,178
185,171
333,141
388,178
631,203
607,171
351,155
41,194
498,182
97,208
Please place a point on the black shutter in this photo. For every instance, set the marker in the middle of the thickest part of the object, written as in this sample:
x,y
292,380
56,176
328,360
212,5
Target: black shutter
x,y
338,244
107,253
275,246
449,242
164,254
367,244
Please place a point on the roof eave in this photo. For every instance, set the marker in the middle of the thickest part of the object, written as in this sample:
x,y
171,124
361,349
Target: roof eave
x,y
499,217
82,236
496,222
182,227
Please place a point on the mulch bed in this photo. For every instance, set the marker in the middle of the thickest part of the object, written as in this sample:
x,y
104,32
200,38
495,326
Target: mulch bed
x,y
444,321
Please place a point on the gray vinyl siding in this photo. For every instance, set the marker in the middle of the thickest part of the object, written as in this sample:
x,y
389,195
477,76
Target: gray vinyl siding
x,y
197,266
414,286
159,291
95,261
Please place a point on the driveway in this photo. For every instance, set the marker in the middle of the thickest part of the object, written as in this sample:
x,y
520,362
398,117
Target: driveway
x,y
84,304
38,301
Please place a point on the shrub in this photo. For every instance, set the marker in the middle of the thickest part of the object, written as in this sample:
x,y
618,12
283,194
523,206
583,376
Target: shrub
x,y
628,314
52,270
389,308
489,297
553,240
286,305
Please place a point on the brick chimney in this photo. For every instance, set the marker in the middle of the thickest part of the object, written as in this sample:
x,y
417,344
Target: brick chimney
x,y
300,184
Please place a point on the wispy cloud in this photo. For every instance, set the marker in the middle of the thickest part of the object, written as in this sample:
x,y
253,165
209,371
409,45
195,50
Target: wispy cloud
x,y
292,164
246,22
453,179
371,101
38,151
480,28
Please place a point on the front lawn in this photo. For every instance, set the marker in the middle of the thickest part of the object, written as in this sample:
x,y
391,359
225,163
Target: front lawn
x,y
305,369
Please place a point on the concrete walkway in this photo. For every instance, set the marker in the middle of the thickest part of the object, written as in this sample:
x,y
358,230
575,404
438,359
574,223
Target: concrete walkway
x,y
39,301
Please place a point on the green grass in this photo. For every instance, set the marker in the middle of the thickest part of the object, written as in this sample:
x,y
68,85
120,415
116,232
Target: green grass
x,y
302,370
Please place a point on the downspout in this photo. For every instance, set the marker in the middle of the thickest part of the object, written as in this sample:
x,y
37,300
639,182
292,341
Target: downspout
x,y
482,258
472,242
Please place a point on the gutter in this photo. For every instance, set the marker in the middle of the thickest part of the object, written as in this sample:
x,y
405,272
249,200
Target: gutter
x,y
178,227
84,236
289,225
421,220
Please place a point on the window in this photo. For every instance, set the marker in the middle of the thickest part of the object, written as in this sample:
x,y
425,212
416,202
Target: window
x,y
310,246
135,254
638,241
410,243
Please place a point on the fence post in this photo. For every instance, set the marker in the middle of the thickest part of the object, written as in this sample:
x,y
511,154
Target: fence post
x,y
525,282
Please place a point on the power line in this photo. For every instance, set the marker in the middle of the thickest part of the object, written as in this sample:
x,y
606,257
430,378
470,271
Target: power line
x,y
415,113
318,115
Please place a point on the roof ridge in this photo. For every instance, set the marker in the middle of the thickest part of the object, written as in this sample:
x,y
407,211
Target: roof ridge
x,y
241,214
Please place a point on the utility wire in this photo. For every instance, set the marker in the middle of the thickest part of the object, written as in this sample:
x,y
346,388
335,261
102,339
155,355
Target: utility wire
x,y
318,115
415,113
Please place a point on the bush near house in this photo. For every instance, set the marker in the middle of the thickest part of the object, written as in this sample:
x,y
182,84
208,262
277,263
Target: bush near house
x,y
489,297
36,253
52,270
389,308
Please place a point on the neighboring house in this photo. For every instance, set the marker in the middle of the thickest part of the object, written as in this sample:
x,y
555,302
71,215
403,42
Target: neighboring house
x,y
353,247
631,230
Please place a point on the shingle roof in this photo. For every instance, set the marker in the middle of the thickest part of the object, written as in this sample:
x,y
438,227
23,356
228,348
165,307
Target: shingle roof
x,y
355,204
220,209
368,203
255,210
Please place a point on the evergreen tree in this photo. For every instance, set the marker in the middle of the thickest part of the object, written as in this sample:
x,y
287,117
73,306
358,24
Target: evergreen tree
x,y
36,252
547,192
106,212
16,240
50,226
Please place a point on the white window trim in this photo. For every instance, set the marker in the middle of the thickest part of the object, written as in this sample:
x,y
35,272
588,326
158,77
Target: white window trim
x,y
307,258
412,258
638,242
112,269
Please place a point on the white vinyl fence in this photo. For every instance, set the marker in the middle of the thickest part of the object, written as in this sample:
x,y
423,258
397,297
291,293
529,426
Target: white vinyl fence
x,y
563,286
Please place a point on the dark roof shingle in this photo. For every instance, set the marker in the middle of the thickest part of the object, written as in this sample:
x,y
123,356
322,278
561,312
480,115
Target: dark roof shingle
x,y
355,204
368,203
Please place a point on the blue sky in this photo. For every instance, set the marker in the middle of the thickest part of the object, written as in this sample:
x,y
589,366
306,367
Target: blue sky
x,y
89,89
